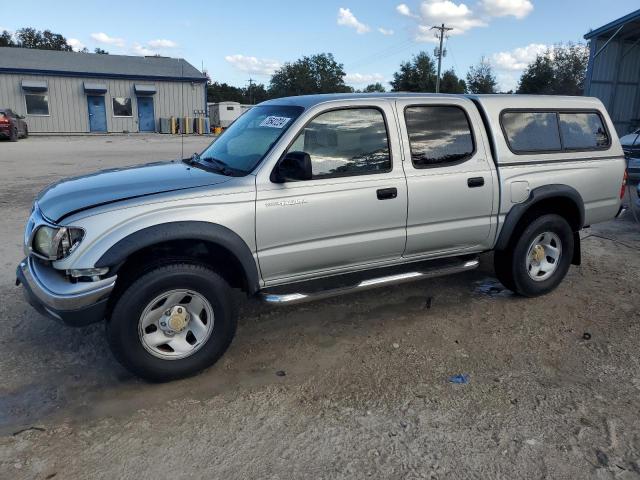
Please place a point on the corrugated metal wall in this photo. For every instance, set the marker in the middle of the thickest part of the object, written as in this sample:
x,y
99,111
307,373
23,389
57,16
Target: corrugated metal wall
x,y
68,110
614,78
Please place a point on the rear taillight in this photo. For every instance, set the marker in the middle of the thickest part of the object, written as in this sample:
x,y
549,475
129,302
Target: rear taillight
x,y
624,184
4,120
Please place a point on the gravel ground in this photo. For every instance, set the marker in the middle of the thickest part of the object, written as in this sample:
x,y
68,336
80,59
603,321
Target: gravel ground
x,y
553,391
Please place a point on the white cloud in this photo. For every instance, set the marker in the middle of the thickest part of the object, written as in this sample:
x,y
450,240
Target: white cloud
x,y
162,43
102,37
457,16
76,44
363,77
258,66
385,31
138,49
348,19
403,9
518,58
503,8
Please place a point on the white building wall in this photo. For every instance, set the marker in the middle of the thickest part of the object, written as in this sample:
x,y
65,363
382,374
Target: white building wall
x,y
68,110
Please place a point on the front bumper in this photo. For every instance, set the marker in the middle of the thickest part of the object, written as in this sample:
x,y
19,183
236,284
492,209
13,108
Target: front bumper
x,y
51,294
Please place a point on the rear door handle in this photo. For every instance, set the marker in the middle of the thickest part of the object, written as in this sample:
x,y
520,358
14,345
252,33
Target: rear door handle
x,y
387,193
475,182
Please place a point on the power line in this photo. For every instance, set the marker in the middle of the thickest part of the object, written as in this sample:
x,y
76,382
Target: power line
x,y
440,52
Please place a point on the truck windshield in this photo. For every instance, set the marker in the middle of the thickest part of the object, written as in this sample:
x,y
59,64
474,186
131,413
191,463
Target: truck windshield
x,y
246,142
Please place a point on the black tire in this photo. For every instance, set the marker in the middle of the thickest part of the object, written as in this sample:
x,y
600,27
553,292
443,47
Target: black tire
x,y
122,327
13,136
511,264
26,132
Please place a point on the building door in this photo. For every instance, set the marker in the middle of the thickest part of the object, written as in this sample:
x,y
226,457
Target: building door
x,y
146,117
97,113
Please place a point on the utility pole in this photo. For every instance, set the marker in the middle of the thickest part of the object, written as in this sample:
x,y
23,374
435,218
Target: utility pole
x,y
251,90
441,33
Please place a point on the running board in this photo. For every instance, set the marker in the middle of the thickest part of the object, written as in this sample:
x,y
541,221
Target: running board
x,y
312,290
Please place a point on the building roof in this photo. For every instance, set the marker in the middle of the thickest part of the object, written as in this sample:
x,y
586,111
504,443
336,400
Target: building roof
x,y
630,24
49,62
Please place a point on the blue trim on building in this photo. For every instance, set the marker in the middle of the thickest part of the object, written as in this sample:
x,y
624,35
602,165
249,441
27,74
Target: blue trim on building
x,y
613,25
57,73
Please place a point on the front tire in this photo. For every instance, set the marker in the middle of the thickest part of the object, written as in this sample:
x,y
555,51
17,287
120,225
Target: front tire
x,y
539,259
172,322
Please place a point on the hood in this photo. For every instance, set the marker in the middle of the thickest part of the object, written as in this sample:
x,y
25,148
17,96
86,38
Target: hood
x,y
76,194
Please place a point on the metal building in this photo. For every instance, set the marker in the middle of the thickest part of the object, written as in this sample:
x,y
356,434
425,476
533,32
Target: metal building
x,y
613,74
68,92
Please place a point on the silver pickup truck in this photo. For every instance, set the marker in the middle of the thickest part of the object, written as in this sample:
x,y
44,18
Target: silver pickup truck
x,y
307,197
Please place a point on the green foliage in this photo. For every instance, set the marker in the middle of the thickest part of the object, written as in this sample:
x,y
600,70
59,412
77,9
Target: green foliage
x,y
559,71
417,75
450,83
481,79
6,39
318,73
100,51
374,88
44,40
223,92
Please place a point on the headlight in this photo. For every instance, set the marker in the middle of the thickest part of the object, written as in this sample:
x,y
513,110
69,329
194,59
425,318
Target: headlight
x,y
54,243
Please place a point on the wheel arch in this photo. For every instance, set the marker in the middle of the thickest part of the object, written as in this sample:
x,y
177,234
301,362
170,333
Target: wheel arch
x,y
562,200
219,246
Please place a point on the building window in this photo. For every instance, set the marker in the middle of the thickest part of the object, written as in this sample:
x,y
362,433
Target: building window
x,y
37,104
583,131
122,107
346,142
438,135
532,131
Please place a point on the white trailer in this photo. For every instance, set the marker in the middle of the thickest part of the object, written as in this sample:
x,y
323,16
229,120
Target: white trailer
x,y
223,114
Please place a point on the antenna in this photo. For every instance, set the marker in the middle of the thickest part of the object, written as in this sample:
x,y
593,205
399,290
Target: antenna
x,y
182,108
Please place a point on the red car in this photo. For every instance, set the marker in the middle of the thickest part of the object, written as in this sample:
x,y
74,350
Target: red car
x,y
12,125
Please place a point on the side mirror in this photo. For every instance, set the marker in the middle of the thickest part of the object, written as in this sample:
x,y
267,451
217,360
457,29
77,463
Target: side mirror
x,y
294,167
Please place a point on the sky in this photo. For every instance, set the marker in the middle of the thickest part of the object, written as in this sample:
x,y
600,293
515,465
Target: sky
x,y
242,39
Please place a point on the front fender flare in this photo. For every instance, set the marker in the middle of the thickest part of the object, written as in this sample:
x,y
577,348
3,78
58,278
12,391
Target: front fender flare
x,y
188,230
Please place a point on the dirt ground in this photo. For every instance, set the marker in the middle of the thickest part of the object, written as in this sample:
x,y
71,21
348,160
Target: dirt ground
x,y
553,391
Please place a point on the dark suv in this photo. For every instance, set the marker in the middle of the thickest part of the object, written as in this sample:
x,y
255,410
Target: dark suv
x,y
12,125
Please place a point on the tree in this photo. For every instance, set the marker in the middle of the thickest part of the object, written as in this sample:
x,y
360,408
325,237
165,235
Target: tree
x,y
374,88
6,39
558,71
100,51
417,75
450,83
255,94
44,40
223,92
481,79
318,73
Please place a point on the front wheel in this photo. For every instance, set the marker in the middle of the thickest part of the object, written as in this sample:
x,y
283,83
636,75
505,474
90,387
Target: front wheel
x,y
172,322
539,259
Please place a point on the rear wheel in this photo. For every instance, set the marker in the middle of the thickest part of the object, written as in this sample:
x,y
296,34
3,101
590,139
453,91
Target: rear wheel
x,y
13,136
26,132
537,261
172,322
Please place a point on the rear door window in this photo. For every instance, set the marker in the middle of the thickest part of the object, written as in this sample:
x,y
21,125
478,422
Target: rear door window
x,y
583,131
532,131
439,135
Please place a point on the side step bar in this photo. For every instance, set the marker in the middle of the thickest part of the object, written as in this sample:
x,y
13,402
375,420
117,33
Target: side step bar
x,y
311,294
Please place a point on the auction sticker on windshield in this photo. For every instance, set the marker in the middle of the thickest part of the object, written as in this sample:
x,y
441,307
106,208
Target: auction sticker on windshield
x,y
274,122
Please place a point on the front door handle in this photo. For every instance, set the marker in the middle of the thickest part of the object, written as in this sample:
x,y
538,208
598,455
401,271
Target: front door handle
x,y
387,193
475,182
